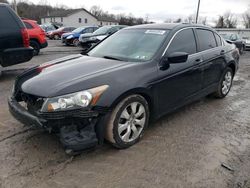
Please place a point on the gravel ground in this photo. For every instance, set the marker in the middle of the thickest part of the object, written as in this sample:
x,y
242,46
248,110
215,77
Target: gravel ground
x,y
187,148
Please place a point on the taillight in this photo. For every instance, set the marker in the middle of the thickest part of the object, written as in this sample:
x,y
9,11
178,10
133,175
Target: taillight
x,y
26,38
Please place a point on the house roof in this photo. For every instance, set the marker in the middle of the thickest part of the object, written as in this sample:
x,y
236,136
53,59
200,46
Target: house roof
x,y
68,12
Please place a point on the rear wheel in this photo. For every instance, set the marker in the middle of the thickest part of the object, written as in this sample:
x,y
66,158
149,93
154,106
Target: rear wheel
x,y
56,37
225,83
35,45
128,121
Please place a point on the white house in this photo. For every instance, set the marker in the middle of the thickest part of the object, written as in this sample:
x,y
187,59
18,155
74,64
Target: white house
x,y
77,18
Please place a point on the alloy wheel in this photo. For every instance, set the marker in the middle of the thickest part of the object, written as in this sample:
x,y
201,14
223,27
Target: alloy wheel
x,y
131,122
227,83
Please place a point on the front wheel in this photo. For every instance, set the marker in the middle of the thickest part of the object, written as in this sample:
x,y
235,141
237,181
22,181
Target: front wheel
x,y
76,42
36,47
225,83
128,121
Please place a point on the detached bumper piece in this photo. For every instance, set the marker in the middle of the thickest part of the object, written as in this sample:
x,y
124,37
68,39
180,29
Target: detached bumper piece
x,y
75,141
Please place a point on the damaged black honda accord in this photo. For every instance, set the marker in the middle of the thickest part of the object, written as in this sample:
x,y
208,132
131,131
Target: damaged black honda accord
x,y
138,74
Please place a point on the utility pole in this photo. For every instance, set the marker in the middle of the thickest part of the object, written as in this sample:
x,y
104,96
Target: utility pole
x,y
197,13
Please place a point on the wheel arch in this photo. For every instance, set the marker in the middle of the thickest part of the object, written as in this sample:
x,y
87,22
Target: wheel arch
x,y
137,91
36,40
233,67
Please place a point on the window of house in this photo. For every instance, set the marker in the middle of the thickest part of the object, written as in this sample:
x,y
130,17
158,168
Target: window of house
x,y
206,39
80,20
184,41
86,20
61,19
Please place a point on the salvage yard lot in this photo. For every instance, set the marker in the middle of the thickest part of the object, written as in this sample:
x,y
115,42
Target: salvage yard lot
x,y
184,149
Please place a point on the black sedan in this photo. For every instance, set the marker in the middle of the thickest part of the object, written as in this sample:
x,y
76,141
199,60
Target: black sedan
x,y
139,73
232,38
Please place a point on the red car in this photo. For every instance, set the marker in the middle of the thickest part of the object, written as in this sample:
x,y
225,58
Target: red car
x,y
58,33
37,35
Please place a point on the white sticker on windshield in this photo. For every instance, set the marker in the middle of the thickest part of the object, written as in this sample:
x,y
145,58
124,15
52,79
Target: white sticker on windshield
x,y
156,32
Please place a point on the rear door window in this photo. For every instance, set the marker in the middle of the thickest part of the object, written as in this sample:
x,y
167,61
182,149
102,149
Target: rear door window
x,y
206,39
218,39
184,41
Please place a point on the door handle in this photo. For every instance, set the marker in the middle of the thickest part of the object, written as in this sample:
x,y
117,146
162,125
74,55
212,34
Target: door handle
x,y
222,52
198,61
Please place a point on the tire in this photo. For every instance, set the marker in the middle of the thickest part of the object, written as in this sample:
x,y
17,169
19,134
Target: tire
x,y
35,45
241,50
56,37
126,125
226,81
76,42
1,69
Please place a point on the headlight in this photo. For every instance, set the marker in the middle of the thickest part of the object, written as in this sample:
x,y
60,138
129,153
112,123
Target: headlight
x,y
92,38
72,101
70,37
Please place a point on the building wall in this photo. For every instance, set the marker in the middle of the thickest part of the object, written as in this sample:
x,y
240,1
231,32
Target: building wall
x,y
73,20
242,32
101,23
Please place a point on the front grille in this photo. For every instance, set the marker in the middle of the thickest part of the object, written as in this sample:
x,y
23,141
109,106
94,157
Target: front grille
x,y
79,113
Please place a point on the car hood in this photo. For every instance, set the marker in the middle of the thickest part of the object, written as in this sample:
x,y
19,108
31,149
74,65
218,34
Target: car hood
x,y
67,34
85,35
72,74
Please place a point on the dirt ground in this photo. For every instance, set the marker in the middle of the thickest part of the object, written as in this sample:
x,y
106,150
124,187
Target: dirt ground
x,y
187,148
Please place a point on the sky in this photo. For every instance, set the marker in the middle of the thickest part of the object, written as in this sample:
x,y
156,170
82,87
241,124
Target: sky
x,y
160,10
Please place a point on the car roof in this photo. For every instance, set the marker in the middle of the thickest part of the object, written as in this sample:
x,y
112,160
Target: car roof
x,y
168,26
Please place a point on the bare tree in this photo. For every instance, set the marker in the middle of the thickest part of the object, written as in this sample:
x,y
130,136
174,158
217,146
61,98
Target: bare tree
x,y
228,20
179,20
4,1
231,20
96,10
246,19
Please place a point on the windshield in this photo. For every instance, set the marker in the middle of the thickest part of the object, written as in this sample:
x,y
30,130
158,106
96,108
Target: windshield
x,y
78,30
226,36
102,31
136,45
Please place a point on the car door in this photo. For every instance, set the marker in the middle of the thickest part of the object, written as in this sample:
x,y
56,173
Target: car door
x,y
180,81
213,57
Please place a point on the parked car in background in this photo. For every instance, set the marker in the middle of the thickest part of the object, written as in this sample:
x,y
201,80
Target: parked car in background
x,y
72,38
233,38
138,73
247,42
48,28
14,38
88,40
58,33
36,34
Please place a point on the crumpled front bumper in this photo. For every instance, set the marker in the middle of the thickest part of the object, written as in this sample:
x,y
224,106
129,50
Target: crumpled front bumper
x,y
22,115
71,137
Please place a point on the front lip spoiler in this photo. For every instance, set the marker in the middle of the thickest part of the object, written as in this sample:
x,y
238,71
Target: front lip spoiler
x,y
22,115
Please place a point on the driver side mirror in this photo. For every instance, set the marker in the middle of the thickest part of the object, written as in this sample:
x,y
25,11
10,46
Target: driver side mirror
x,y
175,57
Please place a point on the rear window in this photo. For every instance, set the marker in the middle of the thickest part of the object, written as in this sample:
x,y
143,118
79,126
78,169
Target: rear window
x,y
7,21
206,39
28,25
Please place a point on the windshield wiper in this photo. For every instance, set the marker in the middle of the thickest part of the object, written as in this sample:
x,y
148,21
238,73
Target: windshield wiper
x,y
113,58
